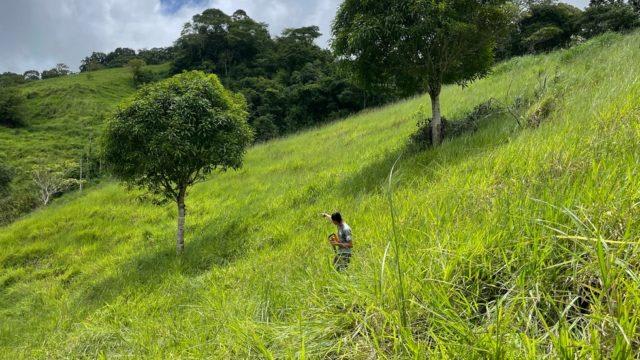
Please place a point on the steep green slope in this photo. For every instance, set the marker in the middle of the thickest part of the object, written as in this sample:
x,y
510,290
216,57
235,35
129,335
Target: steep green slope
x,y
64,116
514,243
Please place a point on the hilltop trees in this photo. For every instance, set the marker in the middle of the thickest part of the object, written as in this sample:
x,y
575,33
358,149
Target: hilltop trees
x,y
94,62
59,70
289,81
547,26
31,75
418,45
122,56
172,134
11,79
603,16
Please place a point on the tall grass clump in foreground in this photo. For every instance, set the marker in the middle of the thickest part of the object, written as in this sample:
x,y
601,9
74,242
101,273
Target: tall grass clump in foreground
x,y
515,241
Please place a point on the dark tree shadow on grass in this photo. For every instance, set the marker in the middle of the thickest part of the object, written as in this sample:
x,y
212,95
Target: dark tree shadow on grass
x,y
211,247
413,164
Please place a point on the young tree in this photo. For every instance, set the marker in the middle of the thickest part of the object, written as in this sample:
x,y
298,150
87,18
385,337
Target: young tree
x,y
419,45
140,75
53,179
174,133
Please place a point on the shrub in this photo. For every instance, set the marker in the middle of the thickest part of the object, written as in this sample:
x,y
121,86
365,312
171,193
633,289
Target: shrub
x,y
540,111
6,175
141,75
10,101
421,139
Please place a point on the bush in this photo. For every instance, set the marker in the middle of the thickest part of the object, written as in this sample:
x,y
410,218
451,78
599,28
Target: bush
x,y
10,101
265,128
141,75
15,204
540,111
421,139
6,175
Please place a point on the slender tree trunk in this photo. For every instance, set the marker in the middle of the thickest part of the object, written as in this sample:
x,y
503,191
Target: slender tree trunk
x,y
181,218
81,166
436,119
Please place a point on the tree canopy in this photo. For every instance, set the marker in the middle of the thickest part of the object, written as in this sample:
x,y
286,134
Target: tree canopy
x,y
289,81
418,45
614,16
174,133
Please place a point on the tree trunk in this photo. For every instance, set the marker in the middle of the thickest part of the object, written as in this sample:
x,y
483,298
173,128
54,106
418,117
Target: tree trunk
x,y
436,119
81,166
181,218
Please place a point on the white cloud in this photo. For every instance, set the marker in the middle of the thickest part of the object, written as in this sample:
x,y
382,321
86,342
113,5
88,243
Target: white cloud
x,y
37,34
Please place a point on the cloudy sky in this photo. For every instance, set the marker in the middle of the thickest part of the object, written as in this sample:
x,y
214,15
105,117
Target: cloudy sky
x,y
37,34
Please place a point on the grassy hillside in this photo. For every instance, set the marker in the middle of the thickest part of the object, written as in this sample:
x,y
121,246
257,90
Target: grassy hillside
x,y
65,117
514,242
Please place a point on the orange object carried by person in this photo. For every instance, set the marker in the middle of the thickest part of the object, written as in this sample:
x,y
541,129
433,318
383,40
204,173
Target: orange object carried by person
x,y
334,240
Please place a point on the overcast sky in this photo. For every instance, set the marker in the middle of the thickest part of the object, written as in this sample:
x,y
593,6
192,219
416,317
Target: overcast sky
x,y
37,34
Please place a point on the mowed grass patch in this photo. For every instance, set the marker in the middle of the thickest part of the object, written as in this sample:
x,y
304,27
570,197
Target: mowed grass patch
x,y
515,242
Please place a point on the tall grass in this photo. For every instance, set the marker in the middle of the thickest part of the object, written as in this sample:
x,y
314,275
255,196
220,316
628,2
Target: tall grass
x,y
516,242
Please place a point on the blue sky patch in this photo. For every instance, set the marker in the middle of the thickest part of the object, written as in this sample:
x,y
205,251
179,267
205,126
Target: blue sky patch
x,y
172,6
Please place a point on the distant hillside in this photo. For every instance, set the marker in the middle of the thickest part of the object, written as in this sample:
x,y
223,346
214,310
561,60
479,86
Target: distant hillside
x,y
64,118
515,242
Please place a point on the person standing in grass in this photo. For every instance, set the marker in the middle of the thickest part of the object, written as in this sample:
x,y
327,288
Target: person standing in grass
x,y
343,244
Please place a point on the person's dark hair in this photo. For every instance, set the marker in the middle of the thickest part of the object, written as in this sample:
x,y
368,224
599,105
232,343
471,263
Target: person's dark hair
x,y
337,217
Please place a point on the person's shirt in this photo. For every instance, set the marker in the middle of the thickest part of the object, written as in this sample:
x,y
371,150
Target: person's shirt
x,y
344,235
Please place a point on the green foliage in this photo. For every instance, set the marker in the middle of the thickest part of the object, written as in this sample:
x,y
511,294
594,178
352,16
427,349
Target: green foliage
x,y
58,71
31,75
156,56
516,242
546,26
288,80
10,102
11,79
54,179
172,134
609,17
422,139
6,175
418,45
141,75
94,62
64,117
122,56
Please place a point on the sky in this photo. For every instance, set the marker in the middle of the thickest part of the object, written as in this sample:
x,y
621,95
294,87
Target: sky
x,y
37,34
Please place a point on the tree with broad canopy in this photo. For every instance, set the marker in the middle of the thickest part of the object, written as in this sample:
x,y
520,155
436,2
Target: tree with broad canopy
x,y
419,45
172,134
